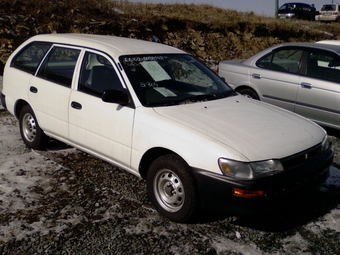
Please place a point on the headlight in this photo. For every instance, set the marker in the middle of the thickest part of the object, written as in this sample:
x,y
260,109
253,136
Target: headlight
x,y
249,171
325,144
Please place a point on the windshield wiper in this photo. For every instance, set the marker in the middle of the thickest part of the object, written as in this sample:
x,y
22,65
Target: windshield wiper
x,y
208,97
199,98
224,94
193,99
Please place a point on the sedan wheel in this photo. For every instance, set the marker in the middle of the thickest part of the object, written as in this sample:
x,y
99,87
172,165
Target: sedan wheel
x,y
249,93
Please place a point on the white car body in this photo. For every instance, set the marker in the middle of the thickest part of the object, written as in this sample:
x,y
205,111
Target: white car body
x,y
329,12
133,136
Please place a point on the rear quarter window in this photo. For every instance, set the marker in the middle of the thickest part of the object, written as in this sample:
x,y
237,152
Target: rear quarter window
x,y
29,58
284,60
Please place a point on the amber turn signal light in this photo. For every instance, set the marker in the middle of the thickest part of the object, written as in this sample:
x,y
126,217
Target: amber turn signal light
x,y
247,193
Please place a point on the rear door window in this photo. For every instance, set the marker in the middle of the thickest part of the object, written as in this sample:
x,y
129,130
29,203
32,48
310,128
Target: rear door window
x,y
323,65
29,58
58,67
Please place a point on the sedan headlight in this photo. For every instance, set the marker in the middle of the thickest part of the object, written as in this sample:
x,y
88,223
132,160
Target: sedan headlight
x,y
249,171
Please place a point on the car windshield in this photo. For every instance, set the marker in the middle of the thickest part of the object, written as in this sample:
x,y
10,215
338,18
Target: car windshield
x,y
162,80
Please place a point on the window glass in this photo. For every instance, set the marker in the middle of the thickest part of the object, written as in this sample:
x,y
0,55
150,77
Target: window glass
x,y
323,65
185,70
97,75
328,7
29,58
59,65
163,80
285,60
283,7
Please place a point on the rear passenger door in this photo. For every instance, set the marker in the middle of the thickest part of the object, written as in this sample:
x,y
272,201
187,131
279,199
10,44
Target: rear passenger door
x,y
49,90
319,89
98,127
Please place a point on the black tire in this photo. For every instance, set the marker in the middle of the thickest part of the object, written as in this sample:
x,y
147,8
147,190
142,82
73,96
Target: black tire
x,y
249,93
171,188
30,131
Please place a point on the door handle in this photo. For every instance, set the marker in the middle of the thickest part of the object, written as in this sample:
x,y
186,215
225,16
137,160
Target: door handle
x,y
306,85
256,76
33,89
76,105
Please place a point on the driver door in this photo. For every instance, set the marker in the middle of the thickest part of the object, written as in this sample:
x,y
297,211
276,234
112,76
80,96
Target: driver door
x,y
103,129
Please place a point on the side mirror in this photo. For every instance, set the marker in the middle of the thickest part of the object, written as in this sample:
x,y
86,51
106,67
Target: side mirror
x,y
115,96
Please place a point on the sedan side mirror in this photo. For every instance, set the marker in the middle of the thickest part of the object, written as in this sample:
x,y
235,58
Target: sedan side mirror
x,y
115,96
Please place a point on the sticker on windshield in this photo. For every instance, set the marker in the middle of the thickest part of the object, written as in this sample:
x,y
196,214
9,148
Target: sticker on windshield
x,y
155,70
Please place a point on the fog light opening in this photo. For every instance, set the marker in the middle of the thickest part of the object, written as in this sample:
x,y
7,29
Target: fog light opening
x,y
247,193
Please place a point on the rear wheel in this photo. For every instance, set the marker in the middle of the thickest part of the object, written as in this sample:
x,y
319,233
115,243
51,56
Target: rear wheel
x,y
171,188
30,131
250,93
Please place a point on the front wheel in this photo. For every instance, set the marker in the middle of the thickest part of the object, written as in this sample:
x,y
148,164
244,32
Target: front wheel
x,y
171,188
30,131
249,93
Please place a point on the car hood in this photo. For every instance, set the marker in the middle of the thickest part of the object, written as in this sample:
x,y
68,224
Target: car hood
x,y
256,130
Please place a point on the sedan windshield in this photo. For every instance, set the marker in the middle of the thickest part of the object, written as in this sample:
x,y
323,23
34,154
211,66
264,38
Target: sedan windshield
x,y
161,80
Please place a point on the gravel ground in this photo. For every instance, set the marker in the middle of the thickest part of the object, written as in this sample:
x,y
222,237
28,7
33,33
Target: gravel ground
x,y
63,201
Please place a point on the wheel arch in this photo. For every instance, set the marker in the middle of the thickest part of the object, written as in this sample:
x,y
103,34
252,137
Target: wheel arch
x,y
149,156
18,106
239,88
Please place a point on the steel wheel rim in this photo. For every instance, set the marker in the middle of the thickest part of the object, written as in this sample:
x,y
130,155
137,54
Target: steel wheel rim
x,y
29,127
169,190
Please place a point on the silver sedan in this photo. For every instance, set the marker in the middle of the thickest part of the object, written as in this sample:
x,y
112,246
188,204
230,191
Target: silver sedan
x,y
301,77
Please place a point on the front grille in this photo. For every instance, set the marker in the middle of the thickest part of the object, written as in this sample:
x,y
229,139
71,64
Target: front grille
x,y
301,158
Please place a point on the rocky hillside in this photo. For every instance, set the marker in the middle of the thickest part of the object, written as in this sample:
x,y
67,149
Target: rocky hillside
x,y
209,33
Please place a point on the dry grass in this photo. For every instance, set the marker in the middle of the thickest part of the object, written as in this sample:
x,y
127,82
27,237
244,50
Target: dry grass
x,y
207,32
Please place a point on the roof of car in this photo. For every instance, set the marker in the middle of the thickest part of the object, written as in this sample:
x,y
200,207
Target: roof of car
x,y
319,45
331,47
114,44
326,46
295,3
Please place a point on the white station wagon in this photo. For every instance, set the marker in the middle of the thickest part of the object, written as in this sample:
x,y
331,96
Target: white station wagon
x,y
160,114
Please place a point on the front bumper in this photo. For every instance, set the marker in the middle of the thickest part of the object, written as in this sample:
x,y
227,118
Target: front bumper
x,y
300,180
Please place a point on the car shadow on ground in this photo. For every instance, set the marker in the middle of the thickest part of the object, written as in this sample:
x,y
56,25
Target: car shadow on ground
x,y
288,216
55,145
295,215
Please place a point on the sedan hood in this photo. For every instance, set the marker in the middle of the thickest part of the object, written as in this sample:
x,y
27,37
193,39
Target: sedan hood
x,y
256,130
